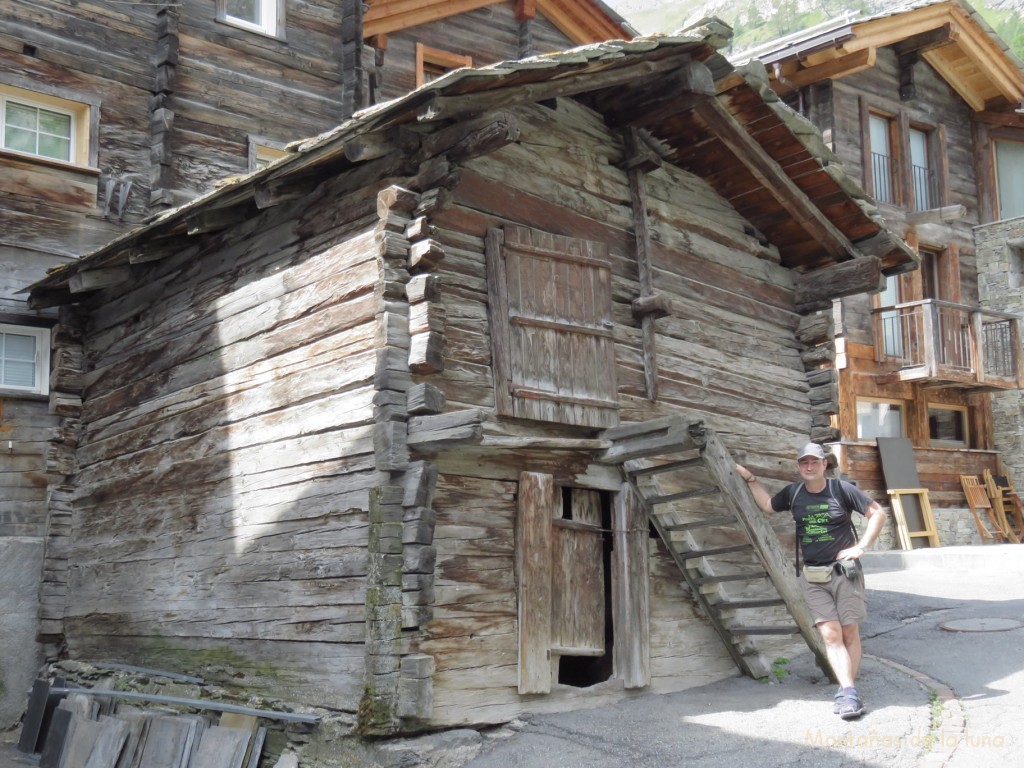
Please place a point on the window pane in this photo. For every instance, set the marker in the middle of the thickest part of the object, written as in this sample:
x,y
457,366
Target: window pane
x,y
20,140
54,123
878,420
1010,173
879,135
881,163
244,9
947,425
54,146
21,116
920,171
17,360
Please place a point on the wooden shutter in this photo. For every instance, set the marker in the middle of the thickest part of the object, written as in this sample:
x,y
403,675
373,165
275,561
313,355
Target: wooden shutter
x,y
533,565
552,327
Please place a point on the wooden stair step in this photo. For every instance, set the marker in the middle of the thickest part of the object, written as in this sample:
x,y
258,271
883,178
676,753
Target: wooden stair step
x,y
709,490
760,602
707,521
715,551
672,466
751,576
791,629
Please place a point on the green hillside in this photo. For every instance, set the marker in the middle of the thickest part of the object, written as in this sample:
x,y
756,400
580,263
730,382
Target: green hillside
x,y
756,23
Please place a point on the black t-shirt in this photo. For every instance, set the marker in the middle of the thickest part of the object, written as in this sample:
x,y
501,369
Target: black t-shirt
x,y
823,519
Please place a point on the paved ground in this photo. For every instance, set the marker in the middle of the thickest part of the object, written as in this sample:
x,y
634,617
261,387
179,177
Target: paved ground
x,y
742,722
978,675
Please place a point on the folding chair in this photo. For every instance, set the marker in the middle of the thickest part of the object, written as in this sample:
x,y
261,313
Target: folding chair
x,y
977,499
1006,503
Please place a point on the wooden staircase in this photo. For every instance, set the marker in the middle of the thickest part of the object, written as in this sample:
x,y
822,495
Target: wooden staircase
x,y
717,535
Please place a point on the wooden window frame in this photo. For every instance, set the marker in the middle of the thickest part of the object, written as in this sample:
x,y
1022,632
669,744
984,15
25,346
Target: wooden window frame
x,y
964,411
273,25
895,155
902,404
83,132
583,393
41,362
426,56
263,152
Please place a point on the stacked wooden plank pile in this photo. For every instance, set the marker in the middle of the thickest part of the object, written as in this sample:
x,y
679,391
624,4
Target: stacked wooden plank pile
x,y
93,729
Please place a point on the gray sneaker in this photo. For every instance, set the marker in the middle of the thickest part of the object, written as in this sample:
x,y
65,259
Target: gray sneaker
x,y
848,704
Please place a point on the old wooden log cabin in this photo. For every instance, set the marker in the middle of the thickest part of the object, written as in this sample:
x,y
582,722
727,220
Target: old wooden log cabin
x,y
145,106
348,425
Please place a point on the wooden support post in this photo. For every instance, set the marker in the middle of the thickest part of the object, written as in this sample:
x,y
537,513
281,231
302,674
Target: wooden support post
x,y
642,238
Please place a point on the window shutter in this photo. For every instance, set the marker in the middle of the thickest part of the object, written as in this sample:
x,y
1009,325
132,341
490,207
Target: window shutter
x,y
533,565
551,315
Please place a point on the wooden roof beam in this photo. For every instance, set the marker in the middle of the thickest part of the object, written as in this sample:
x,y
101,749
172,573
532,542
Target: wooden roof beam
x,y
582,25
925,41
830,70
526,10
774,179
439,107
643,107
387,16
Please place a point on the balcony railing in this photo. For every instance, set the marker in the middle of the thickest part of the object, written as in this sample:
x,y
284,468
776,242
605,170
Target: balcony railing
x,y
949,343
924,188
881,172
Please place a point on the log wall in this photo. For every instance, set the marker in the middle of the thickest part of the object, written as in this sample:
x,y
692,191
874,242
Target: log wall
x,y
226,458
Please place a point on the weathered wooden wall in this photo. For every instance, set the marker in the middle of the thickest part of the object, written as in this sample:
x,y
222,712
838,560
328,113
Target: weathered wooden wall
x,y
728,351
936,104
226,457
487,35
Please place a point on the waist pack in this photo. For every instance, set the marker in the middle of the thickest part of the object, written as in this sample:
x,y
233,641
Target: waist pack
x,y
818,574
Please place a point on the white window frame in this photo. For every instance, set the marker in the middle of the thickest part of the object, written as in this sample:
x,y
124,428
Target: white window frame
x,y
881,401
78,112
42,359
271,23
963,411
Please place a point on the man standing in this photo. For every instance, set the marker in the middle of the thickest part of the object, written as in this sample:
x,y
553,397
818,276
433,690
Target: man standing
x,y
832,580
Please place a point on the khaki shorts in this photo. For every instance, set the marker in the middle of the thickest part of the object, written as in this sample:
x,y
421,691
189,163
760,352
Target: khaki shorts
x,y
840,599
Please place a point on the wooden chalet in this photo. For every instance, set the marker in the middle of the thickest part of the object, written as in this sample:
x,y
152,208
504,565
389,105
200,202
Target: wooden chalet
x,y
433,421
119,111
922,105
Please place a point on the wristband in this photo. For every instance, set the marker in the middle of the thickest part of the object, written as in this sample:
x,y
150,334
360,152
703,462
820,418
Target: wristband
x,y
751,479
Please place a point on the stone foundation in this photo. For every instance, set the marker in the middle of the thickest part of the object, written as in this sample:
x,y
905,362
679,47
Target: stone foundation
x,y
1001,289
954,526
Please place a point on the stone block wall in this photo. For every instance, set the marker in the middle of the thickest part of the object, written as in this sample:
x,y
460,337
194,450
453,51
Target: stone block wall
x,y
955,528
1001,289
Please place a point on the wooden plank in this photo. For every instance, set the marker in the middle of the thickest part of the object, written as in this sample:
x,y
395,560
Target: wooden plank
x,y
631,591
533,565
168,742
110,743
222,747
577,579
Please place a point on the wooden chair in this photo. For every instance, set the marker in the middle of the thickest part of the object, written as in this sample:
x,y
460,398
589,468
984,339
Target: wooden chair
x,y
977,499
1006,503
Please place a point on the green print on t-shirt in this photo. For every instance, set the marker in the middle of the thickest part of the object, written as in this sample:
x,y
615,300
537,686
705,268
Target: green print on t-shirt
x,y
815,525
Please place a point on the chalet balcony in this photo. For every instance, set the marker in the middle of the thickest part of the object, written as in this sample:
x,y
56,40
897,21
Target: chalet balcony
x,y
949,345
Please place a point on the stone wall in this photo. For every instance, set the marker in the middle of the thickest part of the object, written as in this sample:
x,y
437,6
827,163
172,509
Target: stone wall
x,y
1001,289
955,528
